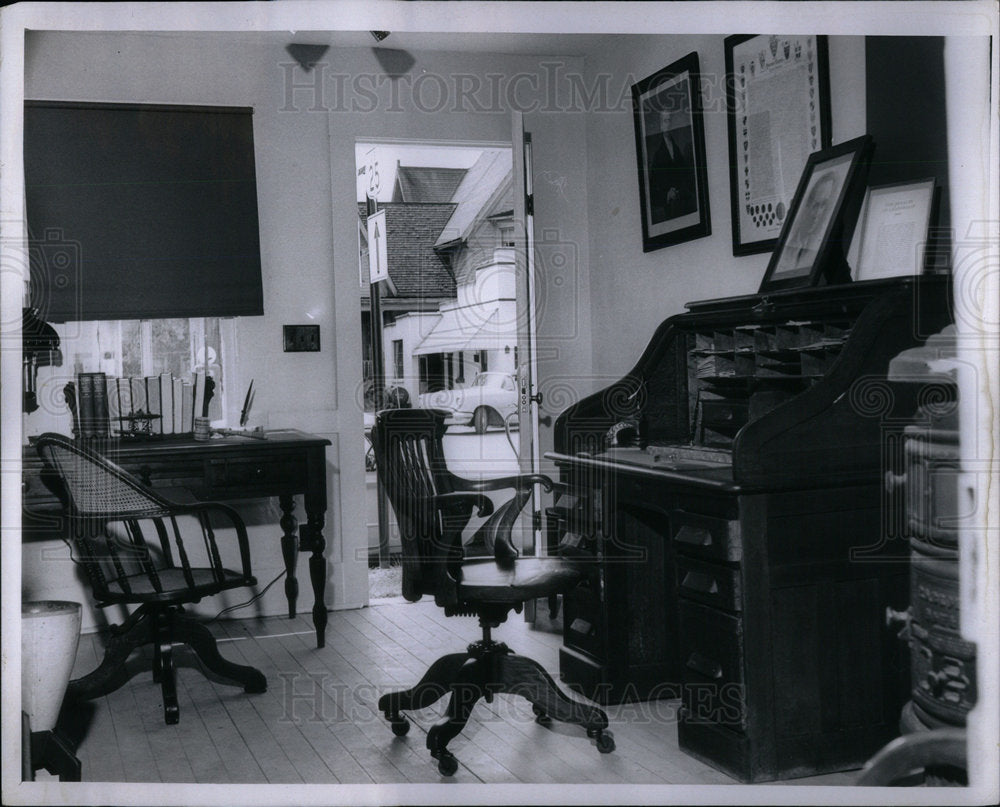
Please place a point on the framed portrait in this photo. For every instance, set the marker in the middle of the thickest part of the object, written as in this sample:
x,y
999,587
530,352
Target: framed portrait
x,y
817,230
895,222
670,150
778,112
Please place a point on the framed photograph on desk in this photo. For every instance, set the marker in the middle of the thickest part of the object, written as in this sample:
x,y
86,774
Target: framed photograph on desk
x,y
821,219
894,229
778,111
670,150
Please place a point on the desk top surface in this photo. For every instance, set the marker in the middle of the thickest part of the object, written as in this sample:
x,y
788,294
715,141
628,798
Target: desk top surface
x,y
173,445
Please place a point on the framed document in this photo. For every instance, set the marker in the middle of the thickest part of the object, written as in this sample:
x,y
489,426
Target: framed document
x,y
670,150
821,218
778,105
894,229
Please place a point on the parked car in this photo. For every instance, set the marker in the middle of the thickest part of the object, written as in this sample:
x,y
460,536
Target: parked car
x,y
488,401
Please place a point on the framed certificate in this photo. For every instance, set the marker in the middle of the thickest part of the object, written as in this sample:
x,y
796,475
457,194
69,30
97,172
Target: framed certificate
x,y
895,221
778,105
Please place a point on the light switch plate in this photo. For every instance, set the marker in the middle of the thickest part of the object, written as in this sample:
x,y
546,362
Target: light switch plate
x,y
301,338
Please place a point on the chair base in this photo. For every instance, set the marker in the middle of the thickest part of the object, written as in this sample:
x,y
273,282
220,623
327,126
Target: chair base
x,y
487,668
163,627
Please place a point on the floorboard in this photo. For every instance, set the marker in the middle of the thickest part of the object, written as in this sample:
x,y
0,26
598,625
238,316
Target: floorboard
x,y
318,723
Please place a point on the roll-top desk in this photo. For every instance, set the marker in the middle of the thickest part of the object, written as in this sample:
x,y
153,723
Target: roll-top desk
x,y
730,487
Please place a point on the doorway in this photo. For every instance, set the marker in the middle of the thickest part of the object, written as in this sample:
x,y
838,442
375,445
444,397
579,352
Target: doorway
x,y
446,300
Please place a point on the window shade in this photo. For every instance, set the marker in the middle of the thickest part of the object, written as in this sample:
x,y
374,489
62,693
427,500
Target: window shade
x,y
141,211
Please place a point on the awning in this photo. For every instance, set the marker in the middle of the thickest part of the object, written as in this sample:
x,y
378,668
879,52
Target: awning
x,y
469,328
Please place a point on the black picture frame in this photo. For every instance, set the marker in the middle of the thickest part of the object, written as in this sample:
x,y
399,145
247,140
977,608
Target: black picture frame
x,y
778,113
816,234
673,183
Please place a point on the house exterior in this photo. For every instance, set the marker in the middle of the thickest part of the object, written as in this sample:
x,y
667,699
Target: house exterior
x,y
449,308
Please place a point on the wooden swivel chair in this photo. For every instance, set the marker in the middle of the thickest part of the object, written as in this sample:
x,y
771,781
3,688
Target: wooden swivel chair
x,y
106,510
432,507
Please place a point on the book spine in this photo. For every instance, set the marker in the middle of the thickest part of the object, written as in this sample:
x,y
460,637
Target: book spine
x,y
138,395
101,407
187,406
166,403
178,396
153,403
85,386
114,407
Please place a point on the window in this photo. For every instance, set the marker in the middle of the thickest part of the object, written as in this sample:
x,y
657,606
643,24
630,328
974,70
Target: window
x,y
139,348
397,358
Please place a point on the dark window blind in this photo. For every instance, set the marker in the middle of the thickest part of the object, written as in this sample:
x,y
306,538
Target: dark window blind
x,y
141,211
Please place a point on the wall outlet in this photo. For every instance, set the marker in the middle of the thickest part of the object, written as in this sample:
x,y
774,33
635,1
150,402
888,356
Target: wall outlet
x,y
301,338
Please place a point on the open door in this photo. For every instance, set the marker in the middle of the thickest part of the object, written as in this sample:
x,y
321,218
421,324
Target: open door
x,y
528,397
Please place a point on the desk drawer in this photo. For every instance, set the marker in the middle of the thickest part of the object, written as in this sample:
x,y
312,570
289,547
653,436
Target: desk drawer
x,y
707,536
711,645
242,475
710,583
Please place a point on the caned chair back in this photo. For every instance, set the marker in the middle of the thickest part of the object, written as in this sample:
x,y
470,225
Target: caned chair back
x,y
135,545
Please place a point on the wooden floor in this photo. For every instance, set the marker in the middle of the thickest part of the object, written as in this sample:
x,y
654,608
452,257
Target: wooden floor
x,y
317,723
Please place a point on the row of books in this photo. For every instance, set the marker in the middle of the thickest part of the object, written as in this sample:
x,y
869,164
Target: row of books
x,y
153,406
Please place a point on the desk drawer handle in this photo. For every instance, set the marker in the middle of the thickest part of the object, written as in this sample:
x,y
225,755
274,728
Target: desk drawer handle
x,y
695,536
703,583
704,666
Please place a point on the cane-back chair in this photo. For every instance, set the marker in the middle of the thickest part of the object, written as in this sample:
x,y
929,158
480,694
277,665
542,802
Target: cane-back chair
x,y
433,506
141,550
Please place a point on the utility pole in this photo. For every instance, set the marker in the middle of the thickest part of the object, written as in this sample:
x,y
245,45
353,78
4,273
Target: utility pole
x,y
378,364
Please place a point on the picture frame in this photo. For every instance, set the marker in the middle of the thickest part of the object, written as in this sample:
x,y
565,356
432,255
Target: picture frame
x,y
815,234
778,113
670,152
895,227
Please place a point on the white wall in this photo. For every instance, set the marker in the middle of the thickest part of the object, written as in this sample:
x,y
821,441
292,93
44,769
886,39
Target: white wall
x,y
305,128
631,292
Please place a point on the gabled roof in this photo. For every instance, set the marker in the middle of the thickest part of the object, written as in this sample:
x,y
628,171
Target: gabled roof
x,y
410,231
486,185
418,184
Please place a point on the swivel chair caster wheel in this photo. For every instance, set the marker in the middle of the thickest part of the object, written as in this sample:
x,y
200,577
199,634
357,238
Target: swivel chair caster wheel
x,y
605,742
540,714
400,725
447,763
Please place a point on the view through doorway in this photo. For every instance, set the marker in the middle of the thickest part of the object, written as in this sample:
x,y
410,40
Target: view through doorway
x,y
436,230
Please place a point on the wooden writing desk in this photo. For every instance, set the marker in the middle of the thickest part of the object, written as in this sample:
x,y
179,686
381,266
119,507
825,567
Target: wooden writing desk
x,y
288,462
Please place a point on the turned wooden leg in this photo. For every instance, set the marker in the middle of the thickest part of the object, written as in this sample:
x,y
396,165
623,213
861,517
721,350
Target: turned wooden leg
x,y
289,550
136,631
200,639
312,540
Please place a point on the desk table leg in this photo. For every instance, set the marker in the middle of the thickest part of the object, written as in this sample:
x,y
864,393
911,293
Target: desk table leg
x,y
312,540
289,550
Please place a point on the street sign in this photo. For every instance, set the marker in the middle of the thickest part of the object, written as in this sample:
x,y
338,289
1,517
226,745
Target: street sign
x,y
372,174
378,257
